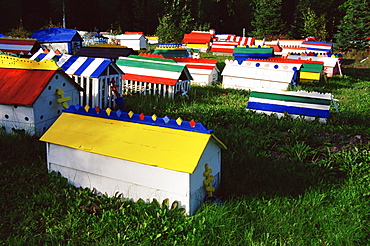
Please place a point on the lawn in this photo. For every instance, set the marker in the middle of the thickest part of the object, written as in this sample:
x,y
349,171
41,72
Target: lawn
x,y
284,181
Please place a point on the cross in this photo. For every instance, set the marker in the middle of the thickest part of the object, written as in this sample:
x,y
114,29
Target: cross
x,y
208,181
63,100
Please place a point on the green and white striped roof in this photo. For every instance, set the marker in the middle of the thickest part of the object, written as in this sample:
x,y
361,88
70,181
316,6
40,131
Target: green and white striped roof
x,y
153,70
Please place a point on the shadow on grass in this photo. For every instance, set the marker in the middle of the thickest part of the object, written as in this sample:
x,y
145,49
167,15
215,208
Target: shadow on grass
x,y
358,72
282,157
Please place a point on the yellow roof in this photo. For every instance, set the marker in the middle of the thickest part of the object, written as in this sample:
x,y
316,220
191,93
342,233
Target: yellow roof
x,y
23,63
164,147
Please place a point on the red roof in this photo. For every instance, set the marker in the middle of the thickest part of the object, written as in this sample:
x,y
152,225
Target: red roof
x,y
197,38
23,86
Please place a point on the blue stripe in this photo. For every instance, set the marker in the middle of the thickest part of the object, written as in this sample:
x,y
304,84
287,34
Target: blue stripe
x,y
82,68
41,56
316,42
98,71
69,62
288,109
327,49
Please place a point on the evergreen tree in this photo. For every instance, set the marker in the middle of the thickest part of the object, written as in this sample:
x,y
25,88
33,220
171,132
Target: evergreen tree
x,y
176,21
354,28
267,22
314,25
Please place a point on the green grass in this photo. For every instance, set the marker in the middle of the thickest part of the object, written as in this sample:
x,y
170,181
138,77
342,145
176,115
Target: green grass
x,y
284,181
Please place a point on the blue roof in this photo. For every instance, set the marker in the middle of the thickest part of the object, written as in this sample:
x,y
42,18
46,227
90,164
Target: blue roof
x,y
55,34
2,35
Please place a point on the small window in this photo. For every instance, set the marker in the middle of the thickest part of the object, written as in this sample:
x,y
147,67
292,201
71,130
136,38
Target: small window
x,y
26,119
41,117
64,84
15,106
58,112
6,116
56,76
50,103
49,87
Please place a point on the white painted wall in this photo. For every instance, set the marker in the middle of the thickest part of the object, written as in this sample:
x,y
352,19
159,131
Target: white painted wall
x,y
134,180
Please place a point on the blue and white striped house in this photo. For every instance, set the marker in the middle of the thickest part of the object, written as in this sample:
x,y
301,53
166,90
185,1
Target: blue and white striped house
x,y
95,75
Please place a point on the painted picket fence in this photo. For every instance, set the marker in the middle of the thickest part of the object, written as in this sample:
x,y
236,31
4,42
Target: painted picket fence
x,y
296,104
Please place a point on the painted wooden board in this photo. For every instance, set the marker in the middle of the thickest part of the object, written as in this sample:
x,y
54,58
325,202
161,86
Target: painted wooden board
x,y
308,105
110,159
252,75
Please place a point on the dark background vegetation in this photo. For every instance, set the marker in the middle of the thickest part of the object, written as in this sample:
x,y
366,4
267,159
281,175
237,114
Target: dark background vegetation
x,y
226,16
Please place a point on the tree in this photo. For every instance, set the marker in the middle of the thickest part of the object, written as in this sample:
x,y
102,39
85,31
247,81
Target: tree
x,y
176,21
267,20
314,25
354,27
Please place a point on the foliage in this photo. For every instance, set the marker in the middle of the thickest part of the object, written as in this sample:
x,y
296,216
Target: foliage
x,y
354,28
267,18
314,26
19,32
284,181
176,21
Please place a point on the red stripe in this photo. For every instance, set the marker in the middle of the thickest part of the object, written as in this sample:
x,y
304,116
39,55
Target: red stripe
x,y
223,50
17,42
194,60
197,66
285,60
149,79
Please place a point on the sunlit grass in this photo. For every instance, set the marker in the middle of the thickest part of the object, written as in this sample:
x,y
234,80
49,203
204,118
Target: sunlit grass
x,y
284,181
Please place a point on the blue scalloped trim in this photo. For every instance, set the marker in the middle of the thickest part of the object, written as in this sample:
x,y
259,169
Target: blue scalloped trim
x,y
123,116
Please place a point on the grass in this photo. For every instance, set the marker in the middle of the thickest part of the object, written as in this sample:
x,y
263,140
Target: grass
x,y
284,182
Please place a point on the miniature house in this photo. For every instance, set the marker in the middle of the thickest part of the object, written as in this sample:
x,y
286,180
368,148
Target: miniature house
x,y
223,47
203,71
65,40
136,40
315,46
138,156
172,50
332,65
33,94
198,40
296,104
251,75
95,75
154,76
19,46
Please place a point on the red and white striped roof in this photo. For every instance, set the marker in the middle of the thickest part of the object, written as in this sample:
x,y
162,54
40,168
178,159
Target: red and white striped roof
x,y
242,41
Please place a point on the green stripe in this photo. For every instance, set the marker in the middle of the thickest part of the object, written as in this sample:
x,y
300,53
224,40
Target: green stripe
x,y
151,58
142,63
252,50
311,70
171,53
311,67
289,98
